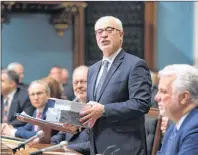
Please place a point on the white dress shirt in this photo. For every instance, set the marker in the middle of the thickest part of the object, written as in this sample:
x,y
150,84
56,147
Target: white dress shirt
x,y
110,60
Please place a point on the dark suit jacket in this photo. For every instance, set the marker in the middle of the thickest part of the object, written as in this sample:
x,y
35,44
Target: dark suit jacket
x,y
126,95
68,92
78,142
27,131
19,104
186,142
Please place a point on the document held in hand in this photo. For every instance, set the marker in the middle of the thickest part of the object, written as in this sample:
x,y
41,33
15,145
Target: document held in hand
x,y
65,111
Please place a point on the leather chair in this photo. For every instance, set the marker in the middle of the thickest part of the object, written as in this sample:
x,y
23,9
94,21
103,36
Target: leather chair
x,y
153,131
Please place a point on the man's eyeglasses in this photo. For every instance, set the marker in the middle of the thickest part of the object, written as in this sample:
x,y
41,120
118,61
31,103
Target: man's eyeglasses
x,y
37,94
81,82
108,30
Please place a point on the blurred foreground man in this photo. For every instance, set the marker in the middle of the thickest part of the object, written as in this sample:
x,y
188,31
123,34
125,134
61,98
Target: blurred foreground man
x,y
119,90
178,100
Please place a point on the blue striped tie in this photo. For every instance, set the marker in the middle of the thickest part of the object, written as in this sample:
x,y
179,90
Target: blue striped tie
x,y
102,78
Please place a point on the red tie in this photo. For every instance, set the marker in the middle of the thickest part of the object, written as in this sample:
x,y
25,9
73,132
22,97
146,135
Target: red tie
x,y
38,115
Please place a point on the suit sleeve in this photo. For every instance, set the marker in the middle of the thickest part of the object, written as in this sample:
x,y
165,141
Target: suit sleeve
x,y
139,89
56,139
189,145
27,108
84,145
25,131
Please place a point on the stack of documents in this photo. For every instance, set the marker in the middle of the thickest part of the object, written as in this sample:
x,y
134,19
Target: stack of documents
x,y
65,111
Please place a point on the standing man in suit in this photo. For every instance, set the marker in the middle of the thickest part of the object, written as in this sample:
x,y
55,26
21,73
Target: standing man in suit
x,y
119,90
178,100
14,99
79,141
39,93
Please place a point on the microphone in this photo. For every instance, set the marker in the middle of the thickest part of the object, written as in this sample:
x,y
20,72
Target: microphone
x,y
115,151
39,134
54,147
110,150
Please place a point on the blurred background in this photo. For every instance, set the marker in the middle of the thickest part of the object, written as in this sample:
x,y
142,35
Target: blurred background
x,y
41,35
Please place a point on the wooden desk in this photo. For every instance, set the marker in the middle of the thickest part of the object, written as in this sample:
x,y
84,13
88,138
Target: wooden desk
x,y
7,146
46,127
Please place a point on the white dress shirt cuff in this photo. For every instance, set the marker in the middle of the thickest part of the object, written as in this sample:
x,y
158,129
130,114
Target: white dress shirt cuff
x,y
13,132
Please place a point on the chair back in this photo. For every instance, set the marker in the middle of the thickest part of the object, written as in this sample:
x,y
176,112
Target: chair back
x,y
153,131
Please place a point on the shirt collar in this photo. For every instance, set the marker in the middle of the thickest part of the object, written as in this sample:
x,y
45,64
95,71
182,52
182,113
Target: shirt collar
x,y
111,58
178,125
11,94
40,109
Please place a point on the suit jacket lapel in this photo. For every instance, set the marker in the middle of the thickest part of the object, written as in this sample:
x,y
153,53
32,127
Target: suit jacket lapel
x,y
13,109
116,63
94,78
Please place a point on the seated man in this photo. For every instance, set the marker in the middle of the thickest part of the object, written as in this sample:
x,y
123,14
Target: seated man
x,y
80,141
39,94
177,98
19,69
14,99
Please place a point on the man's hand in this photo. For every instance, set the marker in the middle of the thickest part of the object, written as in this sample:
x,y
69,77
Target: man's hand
x,y
89,116
35,141
3,125
164,124
71,127
7,129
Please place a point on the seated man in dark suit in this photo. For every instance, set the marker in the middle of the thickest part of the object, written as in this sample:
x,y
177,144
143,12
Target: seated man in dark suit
x,y
79,141
14,99
177,98
39,93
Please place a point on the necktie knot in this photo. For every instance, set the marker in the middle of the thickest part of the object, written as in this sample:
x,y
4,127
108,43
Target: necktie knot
x,y
106,63
38,115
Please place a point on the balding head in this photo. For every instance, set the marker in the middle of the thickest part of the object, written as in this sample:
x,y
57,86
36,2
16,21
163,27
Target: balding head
x,y
109,34
56,73
80,83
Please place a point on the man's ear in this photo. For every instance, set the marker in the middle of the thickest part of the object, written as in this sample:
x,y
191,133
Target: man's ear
x,y
13,84
122,33
184,97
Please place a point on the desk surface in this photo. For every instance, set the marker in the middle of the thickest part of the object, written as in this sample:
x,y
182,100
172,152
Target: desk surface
x,y
7,145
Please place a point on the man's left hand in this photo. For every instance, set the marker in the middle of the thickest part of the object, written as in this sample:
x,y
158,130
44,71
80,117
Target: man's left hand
x,y
7,130
89,116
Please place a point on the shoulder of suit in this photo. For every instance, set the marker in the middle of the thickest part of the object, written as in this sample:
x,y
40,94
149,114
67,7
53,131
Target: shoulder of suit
x,y
94,65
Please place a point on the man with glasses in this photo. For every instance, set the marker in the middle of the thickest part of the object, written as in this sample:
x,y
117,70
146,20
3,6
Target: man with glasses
x,y
39,93
79,141
119,90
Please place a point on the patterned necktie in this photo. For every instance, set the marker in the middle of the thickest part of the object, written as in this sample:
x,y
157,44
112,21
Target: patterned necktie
x,y
102,78
5,111
39,116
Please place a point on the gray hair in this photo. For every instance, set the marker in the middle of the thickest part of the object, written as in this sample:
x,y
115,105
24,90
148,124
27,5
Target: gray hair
x,y
186,79
13,65
117,21
85,68
47,89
